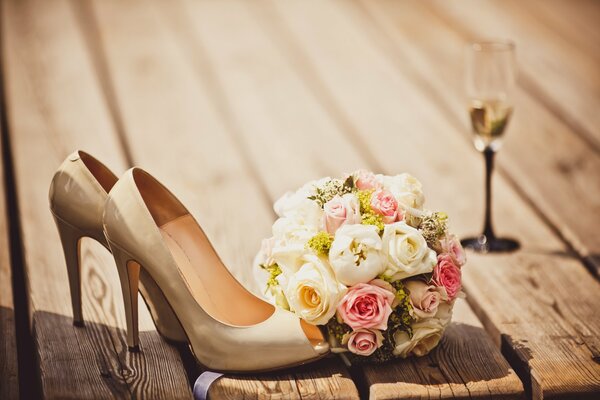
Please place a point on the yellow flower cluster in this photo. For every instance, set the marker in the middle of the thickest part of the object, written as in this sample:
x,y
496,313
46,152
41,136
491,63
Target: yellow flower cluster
x,y
368,216
274,271
320,243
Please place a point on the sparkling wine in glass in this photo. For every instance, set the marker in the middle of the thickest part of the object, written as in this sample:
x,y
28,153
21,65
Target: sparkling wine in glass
x,y
490,79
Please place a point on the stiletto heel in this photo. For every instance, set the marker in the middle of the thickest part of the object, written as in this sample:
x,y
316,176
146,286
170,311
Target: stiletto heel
x,y
78,192
129,275
69,237
163,315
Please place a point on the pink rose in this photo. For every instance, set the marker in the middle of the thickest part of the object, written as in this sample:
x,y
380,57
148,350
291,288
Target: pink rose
x,y
385,204
387,286
451,245
365,180
447,275
341,210
424,298
363,341
366,306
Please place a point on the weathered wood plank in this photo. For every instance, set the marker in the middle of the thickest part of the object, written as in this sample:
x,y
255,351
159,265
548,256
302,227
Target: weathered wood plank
x,y
272,105
576,22
9,370
459,367
409,133
177,128
55,105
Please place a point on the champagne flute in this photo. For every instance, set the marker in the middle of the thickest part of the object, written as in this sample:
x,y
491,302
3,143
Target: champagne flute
x,y
490,81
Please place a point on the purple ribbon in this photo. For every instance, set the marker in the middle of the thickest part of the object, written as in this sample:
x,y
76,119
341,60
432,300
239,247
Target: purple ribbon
x,y
203,384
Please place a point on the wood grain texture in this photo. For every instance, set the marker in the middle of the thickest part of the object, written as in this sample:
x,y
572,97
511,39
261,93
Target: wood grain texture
x,y
55,105
176,125
411,134
232,103
9,370
298,119
466,364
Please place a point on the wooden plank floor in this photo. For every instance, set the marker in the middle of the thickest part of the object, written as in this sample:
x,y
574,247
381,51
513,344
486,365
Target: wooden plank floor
x,y
231,103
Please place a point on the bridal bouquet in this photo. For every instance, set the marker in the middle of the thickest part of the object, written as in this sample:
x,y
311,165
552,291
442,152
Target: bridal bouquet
x,y
362,257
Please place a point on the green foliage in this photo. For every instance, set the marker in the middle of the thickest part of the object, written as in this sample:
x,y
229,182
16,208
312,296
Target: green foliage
x,y
401,316
332,188
337,329
433,227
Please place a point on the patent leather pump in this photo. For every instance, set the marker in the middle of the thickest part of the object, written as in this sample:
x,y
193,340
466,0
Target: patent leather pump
x,y
228,328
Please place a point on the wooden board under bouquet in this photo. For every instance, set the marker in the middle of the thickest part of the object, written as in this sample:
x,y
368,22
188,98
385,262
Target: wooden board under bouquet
x,y
466,364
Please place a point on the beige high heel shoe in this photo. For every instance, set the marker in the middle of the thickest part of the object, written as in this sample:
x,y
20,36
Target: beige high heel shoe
x,y
77,195
228,328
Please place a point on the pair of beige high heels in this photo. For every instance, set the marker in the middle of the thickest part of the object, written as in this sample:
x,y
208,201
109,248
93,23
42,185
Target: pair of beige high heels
x,y
160,249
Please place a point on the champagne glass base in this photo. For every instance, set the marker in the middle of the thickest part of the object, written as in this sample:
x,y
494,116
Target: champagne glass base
x,y
483,244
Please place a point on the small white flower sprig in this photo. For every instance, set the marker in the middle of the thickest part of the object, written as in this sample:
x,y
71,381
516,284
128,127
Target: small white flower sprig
x,y
362,257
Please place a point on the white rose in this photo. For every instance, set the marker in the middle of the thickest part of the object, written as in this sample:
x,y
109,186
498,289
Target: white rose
x,y
355,254
426,335
289,244
291,202
288,256
407,252
304,212
406,189
312,292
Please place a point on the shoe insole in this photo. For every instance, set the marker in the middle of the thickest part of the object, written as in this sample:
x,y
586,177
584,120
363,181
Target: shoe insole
x,y
211,284
209,281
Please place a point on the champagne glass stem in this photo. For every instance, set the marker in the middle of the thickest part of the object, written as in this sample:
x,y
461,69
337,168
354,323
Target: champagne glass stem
x,y
488,230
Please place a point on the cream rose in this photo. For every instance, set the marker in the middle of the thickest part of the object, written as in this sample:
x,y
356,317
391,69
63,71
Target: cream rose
x,y
407,252
290,243
426,335
295,209
406,189
291,202
355,254
312,292
424,298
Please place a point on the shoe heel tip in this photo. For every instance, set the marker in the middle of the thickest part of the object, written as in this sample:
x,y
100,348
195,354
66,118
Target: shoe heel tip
x,y
133,349
78,324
